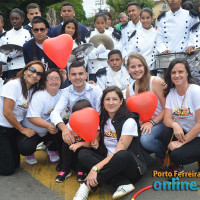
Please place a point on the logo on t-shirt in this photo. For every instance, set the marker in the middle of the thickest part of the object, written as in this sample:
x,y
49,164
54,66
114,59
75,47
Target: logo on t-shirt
x,y
110,134
24,105
182,112
48,113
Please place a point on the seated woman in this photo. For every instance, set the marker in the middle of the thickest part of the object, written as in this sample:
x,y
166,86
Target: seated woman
x,y
120,159
14,99
182,99
151,130
38,119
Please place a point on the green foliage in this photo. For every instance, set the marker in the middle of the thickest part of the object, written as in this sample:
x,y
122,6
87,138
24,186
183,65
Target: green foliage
x,y
120,5
8,5
78,7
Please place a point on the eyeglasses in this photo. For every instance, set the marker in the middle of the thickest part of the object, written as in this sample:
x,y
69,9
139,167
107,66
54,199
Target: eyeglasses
x,y
51,79
33,70
36,30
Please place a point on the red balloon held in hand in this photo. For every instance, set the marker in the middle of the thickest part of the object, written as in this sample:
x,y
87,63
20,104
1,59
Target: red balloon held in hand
x,y
144,103
59,49
85,123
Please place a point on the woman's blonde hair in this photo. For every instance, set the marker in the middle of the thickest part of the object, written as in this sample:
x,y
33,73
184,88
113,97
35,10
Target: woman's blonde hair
x,y
144,81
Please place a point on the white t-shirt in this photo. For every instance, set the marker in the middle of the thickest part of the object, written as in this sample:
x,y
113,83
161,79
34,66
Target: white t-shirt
x,y
13,90
41,105
110,135
191,103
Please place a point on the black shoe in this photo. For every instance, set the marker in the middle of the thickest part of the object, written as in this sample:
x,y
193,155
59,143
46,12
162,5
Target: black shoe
x,y
81,176
58,167
62,176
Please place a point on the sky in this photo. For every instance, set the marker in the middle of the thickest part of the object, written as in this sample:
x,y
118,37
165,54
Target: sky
x,y
92,6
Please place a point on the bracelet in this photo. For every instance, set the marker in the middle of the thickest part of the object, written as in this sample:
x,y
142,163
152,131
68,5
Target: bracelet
x,y
151,122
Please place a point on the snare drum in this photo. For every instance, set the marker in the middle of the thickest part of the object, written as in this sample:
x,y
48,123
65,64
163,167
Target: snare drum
x,y
163,60
194,60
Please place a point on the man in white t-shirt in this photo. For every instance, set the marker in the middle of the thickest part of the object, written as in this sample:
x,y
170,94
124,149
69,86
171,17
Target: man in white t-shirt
x,y
77,91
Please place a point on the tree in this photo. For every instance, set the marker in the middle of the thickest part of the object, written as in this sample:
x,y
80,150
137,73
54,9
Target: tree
x,y
121,5
7,6
78,7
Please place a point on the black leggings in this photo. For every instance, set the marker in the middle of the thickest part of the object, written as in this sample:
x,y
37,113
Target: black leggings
x,y
70,159
9,154
122,169
186,154
27,146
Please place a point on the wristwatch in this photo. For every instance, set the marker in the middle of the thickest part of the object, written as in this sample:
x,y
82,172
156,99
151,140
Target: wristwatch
x,y
155,121
95,168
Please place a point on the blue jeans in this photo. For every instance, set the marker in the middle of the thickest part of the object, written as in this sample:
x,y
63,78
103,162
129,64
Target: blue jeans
x,y
151,142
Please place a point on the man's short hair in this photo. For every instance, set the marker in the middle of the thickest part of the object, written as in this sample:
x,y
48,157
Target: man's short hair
x,y
39,19
134,3
67,4
121,15
114,51
77,63
32,6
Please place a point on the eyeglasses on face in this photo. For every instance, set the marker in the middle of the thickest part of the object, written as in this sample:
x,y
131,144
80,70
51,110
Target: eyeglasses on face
x,y
51,79
33,70
36,30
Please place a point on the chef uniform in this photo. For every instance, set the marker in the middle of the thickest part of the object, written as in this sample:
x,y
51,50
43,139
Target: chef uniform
x,y
173,30
17,37
106,77
144,43
195,36
127,30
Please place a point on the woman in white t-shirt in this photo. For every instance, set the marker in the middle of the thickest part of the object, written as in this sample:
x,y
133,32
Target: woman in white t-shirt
x,y
182,98
14,100
38,119
151,130
119,158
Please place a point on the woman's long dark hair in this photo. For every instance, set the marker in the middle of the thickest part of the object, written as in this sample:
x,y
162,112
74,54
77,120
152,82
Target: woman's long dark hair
x,y
76,35
20,75
167,76
122,111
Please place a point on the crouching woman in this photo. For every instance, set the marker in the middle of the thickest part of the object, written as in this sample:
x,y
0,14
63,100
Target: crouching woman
x,y
119,158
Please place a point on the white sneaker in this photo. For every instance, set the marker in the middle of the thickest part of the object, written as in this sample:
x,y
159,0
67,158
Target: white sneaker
x,y
53,156
30,160
123,190
82,192
41,146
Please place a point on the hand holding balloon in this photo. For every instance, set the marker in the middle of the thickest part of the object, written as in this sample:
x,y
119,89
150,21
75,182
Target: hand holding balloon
x,y
85,123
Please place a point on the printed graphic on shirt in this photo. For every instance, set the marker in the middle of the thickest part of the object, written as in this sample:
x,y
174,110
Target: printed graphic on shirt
x,y
24,105
110,134
183,112
78,138
48,113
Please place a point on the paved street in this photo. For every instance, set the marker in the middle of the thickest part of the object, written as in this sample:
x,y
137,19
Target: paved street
x,y
37,182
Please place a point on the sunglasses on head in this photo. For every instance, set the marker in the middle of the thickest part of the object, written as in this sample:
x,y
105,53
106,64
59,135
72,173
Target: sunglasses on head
x,y
36,30
33,70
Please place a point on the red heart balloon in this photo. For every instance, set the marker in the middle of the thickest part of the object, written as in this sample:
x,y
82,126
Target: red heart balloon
x,y
144,103
85,123
58,49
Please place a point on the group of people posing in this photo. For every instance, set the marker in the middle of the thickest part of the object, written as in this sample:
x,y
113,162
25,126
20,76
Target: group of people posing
x,y
34,97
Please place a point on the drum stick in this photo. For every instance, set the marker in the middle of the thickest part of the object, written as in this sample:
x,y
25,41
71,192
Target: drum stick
x,y
195,50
